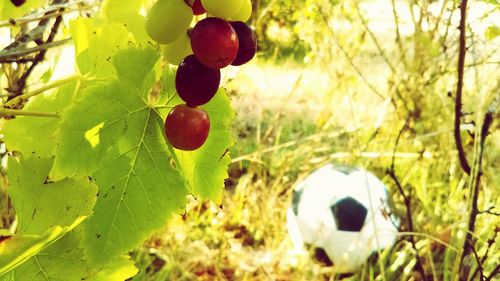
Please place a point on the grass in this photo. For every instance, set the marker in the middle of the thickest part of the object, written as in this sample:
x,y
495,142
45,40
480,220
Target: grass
x,y
277,145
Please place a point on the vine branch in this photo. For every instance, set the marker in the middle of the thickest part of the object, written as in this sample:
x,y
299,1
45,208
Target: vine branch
x,y
11,55
494,273
41,55
407,201
41,90
19,51
6,112
460,81
469,242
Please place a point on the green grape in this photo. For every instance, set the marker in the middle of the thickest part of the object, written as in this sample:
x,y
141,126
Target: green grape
x,y
179,49
244,12
222,8
167,20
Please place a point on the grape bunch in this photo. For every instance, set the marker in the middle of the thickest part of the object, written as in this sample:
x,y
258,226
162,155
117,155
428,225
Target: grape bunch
x,y
220,39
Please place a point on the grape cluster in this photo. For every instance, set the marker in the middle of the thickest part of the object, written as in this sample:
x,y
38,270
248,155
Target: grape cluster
x,y
220,39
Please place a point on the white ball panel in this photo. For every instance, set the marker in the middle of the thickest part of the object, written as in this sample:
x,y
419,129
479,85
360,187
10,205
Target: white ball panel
x,y
347,250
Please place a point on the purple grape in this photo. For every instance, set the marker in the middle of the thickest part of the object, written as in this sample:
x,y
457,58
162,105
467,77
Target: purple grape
x,y
247,43
17,3
214,42
196,84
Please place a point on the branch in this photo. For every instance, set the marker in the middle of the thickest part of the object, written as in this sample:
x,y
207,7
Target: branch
x,y
478,260
35,35
460,82
37,32
407,201
40,56
11,55
493,273
489,211
44,15
469,241
43,89
18,60
349,58
6,112
399,42
491,242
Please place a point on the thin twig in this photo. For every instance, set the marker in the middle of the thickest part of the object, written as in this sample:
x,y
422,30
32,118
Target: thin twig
x,y
399,42
11,55
494,273
43,89
458,97
18,83
491,242
375,41
478,260
489,211
349,58
32,18
17,60
474,192
6,112
407,201
40,57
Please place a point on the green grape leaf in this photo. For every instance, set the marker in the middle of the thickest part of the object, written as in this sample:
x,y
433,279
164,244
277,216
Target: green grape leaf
x,y
117,270
112,133
63,260
36,135
130,65
41,204
8,10
126,12
117,9
17,249
206,168
95,43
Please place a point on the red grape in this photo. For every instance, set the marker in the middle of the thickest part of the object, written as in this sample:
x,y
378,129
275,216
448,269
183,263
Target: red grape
x,y
198,8
214,42
196,84
187,128
247,43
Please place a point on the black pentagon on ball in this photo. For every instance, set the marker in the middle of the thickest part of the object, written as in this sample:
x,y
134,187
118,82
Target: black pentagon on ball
x,y
349,214
321,255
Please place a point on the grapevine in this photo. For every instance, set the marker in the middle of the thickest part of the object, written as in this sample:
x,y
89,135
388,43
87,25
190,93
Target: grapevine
x,y
115,148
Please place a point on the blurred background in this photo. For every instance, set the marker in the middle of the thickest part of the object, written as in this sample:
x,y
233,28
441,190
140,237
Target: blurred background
x,y
367,83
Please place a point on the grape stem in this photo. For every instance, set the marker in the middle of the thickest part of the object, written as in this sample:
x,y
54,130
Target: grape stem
x,y
41,90
42,16
17,112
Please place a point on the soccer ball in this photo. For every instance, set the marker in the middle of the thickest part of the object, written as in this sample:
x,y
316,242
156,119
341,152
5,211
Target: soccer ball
x,y
343,211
